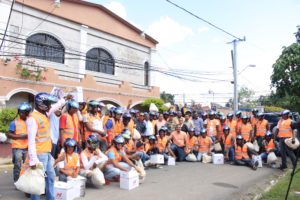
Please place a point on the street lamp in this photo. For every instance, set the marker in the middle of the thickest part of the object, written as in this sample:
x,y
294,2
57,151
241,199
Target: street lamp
x,y
235,87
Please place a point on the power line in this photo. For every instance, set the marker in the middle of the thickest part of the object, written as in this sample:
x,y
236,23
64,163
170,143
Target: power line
x,y
200,18
8,20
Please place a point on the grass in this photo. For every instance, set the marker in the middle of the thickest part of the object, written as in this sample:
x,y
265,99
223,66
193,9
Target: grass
x,y
278,191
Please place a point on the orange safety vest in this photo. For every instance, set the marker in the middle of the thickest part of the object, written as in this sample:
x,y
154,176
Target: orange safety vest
x,y
204,144
71,161
118,155
43,141
68,131
261,128
245,130
232,125
21,129
90,118
253,120
285,129
212,123
238,122
241,152
118,127
227,141
162,143
269,145
191,141
131,126
129,146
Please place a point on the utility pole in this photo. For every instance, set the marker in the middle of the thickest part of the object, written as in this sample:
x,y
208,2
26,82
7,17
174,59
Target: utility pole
x,y
235,77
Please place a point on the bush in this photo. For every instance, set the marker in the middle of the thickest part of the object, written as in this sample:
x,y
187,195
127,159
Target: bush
x,y
273,109
6,116
158,102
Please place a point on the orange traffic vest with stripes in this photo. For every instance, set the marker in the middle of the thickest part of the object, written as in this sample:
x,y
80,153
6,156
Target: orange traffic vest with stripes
x,y
261,127
227,140
162,143
269,145
71,161
285,129
118,127
21,129
90,118
68,131
118,156
245,130
213,124
43,136
149,146
204,144
129,146
232,125
191,141
241,152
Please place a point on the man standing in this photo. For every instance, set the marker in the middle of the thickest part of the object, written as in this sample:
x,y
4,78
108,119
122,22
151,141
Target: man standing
x,y
212,125
39,138
198,123
245,129
261,127
179,140
285,130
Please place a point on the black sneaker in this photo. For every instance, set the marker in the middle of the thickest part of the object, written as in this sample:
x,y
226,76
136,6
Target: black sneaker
x,y
255,165
282,167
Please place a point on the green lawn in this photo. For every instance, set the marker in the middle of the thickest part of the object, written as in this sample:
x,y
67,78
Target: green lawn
x,y
279,190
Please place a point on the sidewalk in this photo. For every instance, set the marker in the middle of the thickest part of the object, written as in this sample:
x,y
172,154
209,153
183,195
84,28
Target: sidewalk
x,y
5,155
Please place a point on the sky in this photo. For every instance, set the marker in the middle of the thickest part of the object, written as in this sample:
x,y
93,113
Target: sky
x,y
191,44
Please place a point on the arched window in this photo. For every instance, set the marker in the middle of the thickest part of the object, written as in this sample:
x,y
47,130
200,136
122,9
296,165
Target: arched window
x,y
45,47
99,60
146,73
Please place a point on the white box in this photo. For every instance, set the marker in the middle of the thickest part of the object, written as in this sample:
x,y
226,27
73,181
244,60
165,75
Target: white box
x,y
171,161
129,180
63,191
258,159
157,159
78,185
218,159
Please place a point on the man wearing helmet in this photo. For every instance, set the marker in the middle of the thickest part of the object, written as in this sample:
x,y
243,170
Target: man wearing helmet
x,y
253,118
191,143
93,161
39,137
269,145
18,133
260,128
231,123
118,160
212,125
228,142
285,130
241,154
245,129
238,118
204,144
117,120
69,124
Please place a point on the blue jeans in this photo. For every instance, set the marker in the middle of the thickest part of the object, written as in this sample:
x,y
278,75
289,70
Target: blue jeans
x,y
231,154
179,152
144,157
264,156
47,161
112,172
18,158
244,162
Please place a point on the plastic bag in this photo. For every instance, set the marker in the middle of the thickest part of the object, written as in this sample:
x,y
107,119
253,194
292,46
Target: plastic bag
x,y
97,177
271,158
32,181
191,157
206,158
136,134
250,146
290,144
255,146
217,147
3,137
153,108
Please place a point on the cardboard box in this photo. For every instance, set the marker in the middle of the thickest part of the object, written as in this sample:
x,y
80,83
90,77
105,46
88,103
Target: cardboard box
x,y
129,180
171,161
157,159
63,191
218,159
78,185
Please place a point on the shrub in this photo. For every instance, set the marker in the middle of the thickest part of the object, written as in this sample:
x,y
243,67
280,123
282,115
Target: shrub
x,y
158,102
6,116
273,109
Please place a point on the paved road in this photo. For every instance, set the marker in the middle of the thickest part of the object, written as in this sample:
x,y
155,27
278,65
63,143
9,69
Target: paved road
x,y
183,181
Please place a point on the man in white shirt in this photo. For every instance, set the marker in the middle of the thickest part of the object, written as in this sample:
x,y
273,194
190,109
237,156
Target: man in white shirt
x,y
149,126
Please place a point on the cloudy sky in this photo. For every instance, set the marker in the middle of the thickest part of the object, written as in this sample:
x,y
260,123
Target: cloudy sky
x,y
188,43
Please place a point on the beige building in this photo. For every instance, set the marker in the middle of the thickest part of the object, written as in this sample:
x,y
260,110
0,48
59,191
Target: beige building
x,y
73,45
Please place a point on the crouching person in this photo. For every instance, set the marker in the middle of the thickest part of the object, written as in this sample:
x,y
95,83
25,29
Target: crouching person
x,y
118,160
241,154
205,144
190,149
269,146
179,141
93,162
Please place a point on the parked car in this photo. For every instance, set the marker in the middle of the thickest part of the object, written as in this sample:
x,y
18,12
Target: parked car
x,y
273,119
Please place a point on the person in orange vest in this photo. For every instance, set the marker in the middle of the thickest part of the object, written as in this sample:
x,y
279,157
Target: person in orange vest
x,y
220,132
285,130
228,143
118,160
129,146
69,124
238,118
254,117
241,154
151,146
245,129
109,125
231,123
212,125
126,119
39,137
269,145
18,133
260,129
205,144
191,145
68,161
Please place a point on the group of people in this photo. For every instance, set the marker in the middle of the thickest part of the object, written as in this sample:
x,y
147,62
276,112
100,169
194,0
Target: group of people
x,y
87,139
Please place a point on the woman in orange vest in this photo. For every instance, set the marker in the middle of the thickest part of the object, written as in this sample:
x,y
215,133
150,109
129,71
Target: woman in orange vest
x,y
260,128
231,123
68,161
241,154
18,133
245,129
268,146
205,144
118,160
228,142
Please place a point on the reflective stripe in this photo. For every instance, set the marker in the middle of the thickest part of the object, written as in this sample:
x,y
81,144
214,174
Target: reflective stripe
x,y
42,139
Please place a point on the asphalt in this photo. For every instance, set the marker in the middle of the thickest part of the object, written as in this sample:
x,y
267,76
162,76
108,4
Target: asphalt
x,y
183,181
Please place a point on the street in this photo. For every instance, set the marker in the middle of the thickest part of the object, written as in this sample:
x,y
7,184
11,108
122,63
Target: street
x,y
183,181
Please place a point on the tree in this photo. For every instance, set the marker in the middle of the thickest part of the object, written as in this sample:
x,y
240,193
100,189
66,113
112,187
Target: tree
x,y
286,77
167,97
245,98
158,102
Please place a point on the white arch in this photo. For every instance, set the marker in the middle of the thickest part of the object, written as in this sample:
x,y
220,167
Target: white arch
x,y
48,33
17,90
104,48
136,103
109,99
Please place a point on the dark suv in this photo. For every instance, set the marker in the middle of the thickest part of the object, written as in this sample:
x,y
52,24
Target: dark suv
x,y
273,119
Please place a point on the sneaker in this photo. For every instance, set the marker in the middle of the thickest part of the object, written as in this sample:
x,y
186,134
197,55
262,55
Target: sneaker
x,y
282,167
255,165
